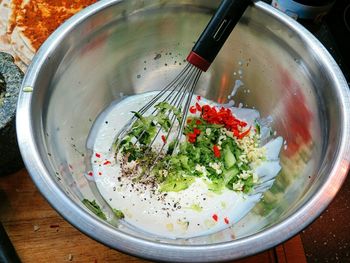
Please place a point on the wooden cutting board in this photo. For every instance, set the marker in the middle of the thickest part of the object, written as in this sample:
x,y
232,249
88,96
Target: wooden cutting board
x,y
40,234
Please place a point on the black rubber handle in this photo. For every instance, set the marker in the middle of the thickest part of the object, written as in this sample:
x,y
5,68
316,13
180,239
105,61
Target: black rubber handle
x,y
7,251
219,28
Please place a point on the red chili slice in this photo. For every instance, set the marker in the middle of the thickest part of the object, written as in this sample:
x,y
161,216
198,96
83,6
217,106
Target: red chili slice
x,y
226,220
243,134
216,151
198,107
192,140
222,116
198,97
206,108
215,217
196,131
193,109
192,137
243,124
164,138
106,162
98,155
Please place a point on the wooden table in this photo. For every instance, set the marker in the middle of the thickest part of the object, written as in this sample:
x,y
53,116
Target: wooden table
x,y
39,234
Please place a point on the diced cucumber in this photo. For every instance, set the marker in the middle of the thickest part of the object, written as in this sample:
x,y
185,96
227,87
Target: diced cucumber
x,y
196,207
248,185
184,161
237,153
229,158
216,186
229,174
176,184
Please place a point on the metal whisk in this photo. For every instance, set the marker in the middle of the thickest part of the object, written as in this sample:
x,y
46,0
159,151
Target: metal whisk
x,y
179,92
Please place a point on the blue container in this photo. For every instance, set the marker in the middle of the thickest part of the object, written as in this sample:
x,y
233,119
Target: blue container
x,y
304,9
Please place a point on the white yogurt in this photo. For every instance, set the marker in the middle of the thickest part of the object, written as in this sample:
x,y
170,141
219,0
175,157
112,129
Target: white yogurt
x,y
192,212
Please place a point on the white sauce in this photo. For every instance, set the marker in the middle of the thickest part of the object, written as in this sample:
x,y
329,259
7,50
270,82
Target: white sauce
x,y
173,215
238,84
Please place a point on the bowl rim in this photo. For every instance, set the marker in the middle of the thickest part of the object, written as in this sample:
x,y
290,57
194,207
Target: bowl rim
x,y
106,234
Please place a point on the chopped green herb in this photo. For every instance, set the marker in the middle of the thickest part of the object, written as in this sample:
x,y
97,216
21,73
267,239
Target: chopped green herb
x,y
95,208
257,127
118,213
196,207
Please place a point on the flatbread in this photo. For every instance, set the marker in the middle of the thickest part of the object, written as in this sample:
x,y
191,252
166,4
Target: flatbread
x,y
37,19
5,38
5,12
20,47
26,24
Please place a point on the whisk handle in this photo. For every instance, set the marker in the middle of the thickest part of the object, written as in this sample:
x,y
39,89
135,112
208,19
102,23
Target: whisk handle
x,y
217,31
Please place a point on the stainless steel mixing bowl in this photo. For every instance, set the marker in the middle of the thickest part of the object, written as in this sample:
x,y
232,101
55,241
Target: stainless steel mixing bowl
x,y
118,48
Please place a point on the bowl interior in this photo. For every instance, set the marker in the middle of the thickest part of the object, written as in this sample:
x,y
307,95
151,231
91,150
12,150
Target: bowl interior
x,y
135,46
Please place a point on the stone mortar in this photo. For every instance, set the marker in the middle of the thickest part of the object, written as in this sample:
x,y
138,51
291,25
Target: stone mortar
x,y
11,79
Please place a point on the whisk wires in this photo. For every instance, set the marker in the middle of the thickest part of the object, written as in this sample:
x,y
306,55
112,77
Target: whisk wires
x,y
177,95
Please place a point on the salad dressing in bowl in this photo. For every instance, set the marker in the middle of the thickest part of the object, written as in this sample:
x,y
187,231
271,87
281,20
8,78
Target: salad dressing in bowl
x,y
131,47
192,212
